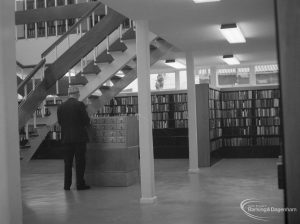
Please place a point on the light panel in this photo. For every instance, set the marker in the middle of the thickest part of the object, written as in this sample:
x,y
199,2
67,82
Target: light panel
x,y
204,1
232,33
174,64
231,60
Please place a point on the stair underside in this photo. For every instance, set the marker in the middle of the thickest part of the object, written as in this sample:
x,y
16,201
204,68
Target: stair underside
x,y
69,59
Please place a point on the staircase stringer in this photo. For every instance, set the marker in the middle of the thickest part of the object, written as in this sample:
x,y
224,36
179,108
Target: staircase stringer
x,y
66,61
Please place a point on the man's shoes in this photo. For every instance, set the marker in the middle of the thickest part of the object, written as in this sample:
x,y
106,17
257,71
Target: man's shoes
x,y
66,188
83,187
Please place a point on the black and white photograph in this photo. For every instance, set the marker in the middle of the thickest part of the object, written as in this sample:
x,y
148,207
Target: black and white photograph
x,y
149,111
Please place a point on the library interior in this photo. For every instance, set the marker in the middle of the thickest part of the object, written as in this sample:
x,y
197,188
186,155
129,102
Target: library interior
x,y
193,107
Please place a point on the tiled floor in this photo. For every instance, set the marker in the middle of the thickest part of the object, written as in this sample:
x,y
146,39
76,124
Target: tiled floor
x,y
211,197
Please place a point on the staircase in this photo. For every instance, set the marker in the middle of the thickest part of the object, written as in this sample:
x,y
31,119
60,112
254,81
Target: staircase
x,y
107,49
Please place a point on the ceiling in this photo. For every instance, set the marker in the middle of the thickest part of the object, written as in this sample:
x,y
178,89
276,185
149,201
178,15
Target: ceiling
x,y
195,27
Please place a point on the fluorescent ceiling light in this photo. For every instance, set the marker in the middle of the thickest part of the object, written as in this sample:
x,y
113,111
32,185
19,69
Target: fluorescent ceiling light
x,y
204,1
174,64
232,33
231,60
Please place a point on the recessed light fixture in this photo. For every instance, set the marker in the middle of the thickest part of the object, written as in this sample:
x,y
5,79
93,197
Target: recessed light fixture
x,y
231,60
174,64
232,33
204,1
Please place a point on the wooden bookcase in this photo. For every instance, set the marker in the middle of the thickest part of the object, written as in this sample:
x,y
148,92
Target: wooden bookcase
x,y
112,158
251,122
209,124
169,120
237,122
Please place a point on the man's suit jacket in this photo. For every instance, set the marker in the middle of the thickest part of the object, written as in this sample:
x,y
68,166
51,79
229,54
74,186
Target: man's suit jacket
x,y
73,120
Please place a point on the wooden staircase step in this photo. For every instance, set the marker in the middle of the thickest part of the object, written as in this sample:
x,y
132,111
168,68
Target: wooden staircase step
x,y
117,46
104,58
91,68
104,89
115,79
129,34
79,79
126,69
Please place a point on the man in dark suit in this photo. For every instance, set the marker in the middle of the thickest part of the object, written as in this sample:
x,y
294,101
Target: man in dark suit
x,y
74,120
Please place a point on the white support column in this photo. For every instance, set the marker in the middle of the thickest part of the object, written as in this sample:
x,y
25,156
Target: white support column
x,y
177,80
145,115
10,188
192,125
213,77
252,76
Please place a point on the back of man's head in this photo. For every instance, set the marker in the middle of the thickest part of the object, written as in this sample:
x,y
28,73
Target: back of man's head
x,y
73,92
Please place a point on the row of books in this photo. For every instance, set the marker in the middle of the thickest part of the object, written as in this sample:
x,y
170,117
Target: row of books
x,y
215,123
237,95
269,130
267,94
216,144
234,113
214,94
213,114
234,142
181,115
267,121
213,104
267,103
267,112
180,98
240,122
236,122
160,124
160,116
251,94
238,131
215,133
160,98
236,104
268,141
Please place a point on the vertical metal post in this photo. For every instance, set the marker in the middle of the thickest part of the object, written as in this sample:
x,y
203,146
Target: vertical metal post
x,y
56,27
25,28
34,114
67,25
106,10
120,33
35,30
107,45
93,19
46,29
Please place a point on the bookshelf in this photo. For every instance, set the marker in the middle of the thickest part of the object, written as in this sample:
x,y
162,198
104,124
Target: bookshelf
x,y
209,124
169,120
251,122
112,158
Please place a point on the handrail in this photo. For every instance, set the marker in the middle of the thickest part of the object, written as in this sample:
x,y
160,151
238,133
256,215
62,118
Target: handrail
x,y
59,40
32,73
